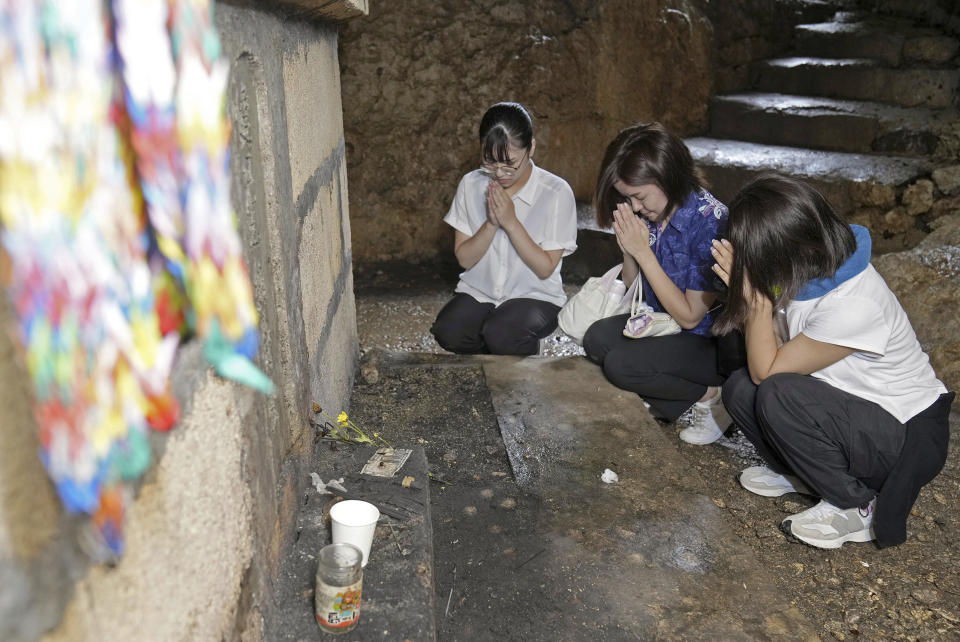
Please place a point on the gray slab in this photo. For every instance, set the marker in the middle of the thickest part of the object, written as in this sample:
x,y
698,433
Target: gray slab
x,y
648,553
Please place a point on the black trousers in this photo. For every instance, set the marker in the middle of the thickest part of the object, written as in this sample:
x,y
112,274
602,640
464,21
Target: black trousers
x,y
515,327
840,445
670,372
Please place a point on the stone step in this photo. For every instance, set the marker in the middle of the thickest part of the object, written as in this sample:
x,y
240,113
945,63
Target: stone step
x,y
848,181
827,123
894,42
857,79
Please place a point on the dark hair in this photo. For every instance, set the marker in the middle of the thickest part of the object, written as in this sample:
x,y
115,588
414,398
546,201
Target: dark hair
x,y
645,154
784,233
503,123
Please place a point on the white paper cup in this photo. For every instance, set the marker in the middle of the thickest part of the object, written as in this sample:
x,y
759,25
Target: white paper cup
x,y
354,521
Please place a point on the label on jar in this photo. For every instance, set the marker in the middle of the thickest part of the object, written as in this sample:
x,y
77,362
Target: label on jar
x,y
337,607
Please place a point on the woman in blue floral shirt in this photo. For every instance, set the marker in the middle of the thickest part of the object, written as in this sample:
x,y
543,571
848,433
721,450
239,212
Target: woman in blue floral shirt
x,y
665,222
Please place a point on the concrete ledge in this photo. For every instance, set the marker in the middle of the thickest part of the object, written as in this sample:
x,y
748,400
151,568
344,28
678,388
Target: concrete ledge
x,y
398,595
338,10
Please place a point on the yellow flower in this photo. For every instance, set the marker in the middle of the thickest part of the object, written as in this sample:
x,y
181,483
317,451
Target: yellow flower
x,y
342,418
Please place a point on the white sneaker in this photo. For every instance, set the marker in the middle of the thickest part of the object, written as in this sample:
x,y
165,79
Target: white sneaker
x,y
763,481
701,427
826,526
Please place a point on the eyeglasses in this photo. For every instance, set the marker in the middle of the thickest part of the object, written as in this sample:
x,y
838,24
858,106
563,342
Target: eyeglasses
x,y
498,169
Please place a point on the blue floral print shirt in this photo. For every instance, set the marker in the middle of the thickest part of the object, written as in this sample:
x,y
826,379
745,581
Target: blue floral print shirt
x,y
683,250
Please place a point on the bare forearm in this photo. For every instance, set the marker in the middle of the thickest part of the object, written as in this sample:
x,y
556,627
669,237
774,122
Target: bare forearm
x,y
630,270
470,250
761,341
673,299
542,263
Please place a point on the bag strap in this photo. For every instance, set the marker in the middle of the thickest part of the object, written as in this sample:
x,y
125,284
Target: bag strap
x,y
636,295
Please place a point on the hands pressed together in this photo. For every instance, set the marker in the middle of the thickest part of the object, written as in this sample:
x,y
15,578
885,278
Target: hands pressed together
x,y
500,209
633,235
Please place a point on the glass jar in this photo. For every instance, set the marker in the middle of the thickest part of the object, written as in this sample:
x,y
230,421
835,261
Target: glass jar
x,y
338,588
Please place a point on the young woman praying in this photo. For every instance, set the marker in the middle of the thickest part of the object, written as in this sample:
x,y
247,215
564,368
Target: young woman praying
x,y
665,222
838,397
513,222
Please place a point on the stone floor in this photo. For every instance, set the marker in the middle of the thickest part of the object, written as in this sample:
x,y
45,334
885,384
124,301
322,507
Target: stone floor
x,y
529,543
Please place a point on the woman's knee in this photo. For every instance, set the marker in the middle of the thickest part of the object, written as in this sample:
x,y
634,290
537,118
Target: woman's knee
x,y
596,340
455,336
778,396
508,340
624,371
738,388
593,348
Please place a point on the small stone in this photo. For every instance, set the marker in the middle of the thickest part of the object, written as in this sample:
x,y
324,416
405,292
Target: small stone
x,y
897,221
719,502
370,373
486,493
947,179
495,529
918,198
926,596
509,503
944,207
509,550
874,195
470,511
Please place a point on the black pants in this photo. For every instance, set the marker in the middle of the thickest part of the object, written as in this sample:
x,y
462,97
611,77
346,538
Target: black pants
x,y
670,372
840,445
466,326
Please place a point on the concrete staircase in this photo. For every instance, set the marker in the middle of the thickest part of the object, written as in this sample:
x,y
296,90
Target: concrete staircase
x,y
858,111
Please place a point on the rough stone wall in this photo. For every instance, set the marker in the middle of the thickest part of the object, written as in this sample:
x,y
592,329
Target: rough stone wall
x,y
214,513
418,76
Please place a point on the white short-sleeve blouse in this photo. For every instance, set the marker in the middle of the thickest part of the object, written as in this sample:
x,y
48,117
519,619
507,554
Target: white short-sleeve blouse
x,y
546,208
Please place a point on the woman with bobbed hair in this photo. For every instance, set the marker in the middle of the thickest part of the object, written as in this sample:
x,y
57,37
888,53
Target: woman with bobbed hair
x,y
838,397
513,222
665,221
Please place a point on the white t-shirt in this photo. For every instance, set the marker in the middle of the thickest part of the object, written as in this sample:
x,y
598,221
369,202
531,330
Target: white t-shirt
x,y
889,367
546,208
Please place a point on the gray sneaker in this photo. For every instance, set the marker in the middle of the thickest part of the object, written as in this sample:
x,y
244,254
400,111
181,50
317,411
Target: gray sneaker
x,y
826,526
763,481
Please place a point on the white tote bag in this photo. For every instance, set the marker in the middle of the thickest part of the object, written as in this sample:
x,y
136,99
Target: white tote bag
x,y
600,297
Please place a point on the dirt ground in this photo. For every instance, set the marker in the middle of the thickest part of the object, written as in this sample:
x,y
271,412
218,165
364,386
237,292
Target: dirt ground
x,y
909,592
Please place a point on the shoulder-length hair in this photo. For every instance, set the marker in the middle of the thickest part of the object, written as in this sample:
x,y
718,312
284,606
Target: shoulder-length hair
x,y
784,233
645,154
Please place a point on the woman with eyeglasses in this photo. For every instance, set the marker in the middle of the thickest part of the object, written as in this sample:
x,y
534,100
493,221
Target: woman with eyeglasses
x,y
513,223
650,191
